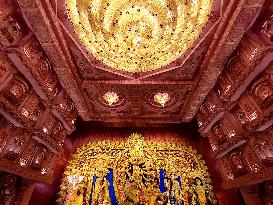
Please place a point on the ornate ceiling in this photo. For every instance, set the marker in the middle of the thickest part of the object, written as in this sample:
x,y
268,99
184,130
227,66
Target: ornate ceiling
x,y
59,61
94,75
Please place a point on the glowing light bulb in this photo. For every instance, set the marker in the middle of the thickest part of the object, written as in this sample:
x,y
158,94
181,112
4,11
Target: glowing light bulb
x,y
162,98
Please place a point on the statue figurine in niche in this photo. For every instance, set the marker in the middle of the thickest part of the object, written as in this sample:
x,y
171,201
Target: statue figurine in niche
x,y
11,30
16,91
238,165
220,136
264,152
153,192
267,29
14,149
40,155
263,90
200,197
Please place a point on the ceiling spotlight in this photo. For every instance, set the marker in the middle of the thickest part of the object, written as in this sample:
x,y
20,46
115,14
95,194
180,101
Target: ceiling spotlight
x,y
111,98
162,98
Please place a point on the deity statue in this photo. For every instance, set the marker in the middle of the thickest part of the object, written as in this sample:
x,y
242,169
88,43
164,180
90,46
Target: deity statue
x,y
153,191
175,191
135,185
70,197
199,196
79,197
100,192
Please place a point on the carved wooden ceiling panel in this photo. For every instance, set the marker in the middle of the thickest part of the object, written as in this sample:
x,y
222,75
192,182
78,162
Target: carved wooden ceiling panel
x,y
136,101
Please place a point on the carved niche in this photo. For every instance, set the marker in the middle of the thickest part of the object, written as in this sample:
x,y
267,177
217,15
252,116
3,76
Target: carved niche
x,y
64,105
251,158
202,115
15,146
31,110
39,156
224,87
225,168
209,109
19,99
40,67
15,92
249,107
239,114
6,68
51,129
219,134
12,29
267,29
238,163
264,152
6,130
225,135
262,91
236,68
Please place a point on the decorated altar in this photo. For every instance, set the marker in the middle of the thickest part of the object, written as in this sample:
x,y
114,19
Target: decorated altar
x,y
136,172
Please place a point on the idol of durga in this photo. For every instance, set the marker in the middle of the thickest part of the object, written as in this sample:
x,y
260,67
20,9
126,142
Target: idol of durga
x,y
136,172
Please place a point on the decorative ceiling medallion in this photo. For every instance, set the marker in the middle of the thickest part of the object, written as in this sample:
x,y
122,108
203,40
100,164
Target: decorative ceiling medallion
x,y
162,98
138,36
111,98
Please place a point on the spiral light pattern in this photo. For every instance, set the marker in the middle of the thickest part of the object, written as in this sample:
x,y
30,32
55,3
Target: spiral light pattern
x,y
138,35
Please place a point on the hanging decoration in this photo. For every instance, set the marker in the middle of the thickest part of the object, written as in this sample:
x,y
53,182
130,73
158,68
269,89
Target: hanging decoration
x,y
136,172
138,36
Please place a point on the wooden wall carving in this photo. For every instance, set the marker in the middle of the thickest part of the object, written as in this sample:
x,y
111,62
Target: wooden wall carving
x,y
244,94
40,111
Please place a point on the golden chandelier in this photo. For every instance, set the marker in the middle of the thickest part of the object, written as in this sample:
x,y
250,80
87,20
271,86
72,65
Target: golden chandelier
x,y
138,36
